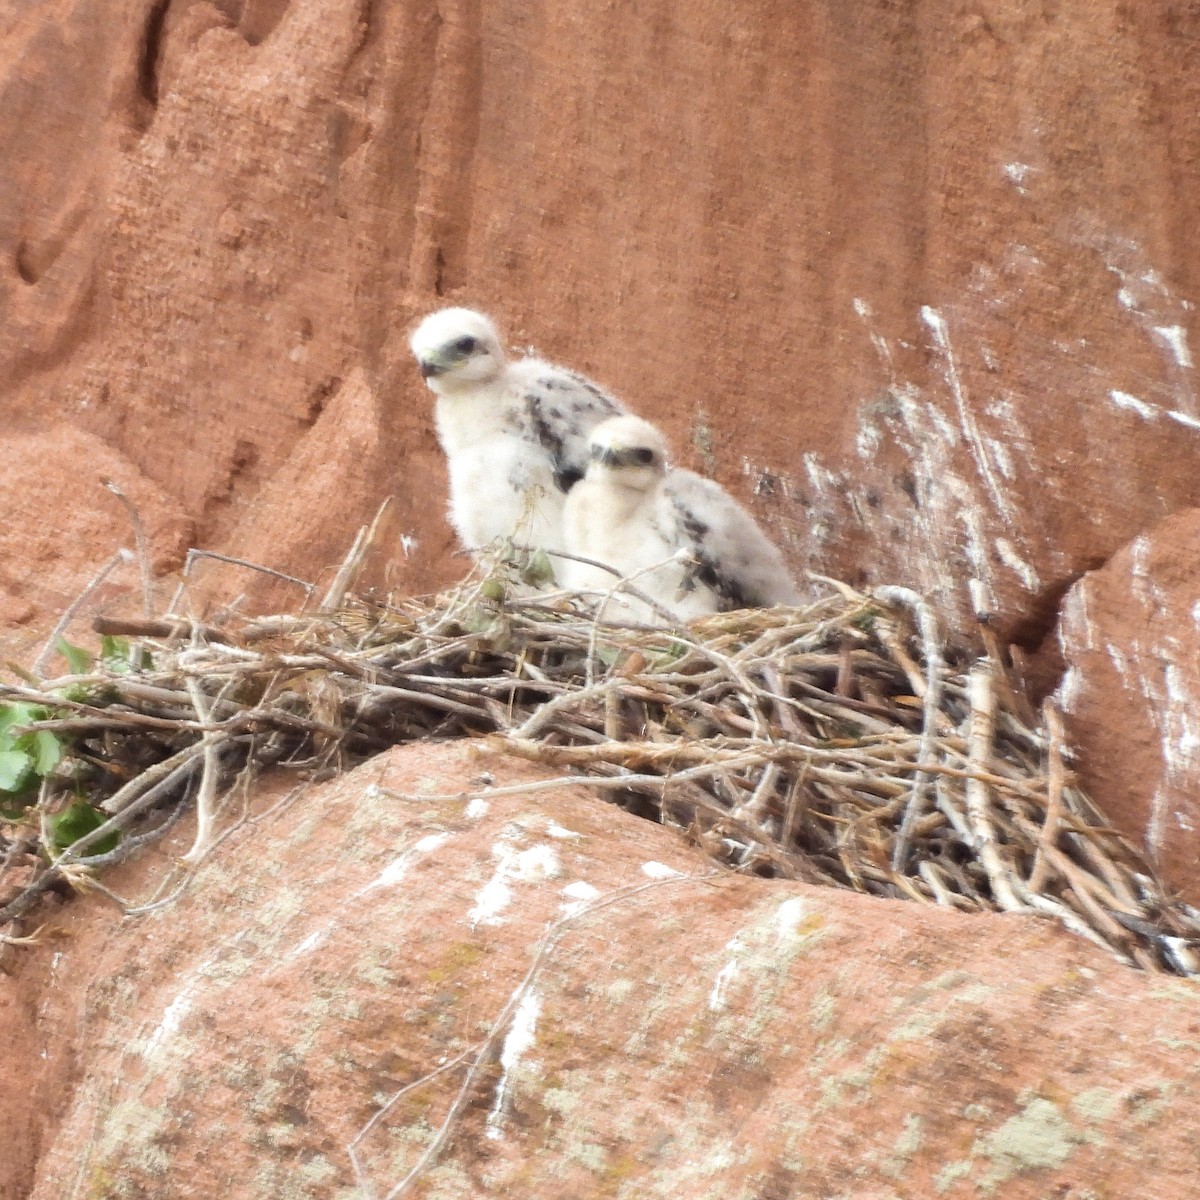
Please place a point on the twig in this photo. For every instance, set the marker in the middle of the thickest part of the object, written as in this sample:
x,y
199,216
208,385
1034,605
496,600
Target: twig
x,y
194,554
143,546
983,717
352,563
69,614
207,792
169,630
931,695
1054,788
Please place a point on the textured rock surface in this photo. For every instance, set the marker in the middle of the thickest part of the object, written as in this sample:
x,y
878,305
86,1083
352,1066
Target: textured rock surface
x,y
707,1037
918,280
928,296
58,514
1131,637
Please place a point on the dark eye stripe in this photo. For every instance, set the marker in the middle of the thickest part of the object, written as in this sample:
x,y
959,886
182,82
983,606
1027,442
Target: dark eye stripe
x,y
637,456
465,345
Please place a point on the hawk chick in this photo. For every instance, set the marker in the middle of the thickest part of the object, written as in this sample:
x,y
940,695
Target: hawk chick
x,y
514,432
690,546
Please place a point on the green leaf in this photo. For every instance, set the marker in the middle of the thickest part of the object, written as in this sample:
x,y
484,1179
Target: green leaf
x,y
17,713
492,589
21,755
79,661
78,820
117,655
538,571
865,621
608,655
48,751
16,770
668,655
114,647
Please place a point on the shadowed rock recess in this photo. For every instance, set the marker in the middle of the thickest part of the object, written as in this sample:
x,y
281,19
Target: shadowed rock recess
x,y
917,282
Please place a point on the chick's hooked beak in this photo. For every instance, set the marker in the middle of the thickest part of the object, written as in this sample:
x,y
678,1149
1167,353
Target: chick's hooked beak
x,y
429,368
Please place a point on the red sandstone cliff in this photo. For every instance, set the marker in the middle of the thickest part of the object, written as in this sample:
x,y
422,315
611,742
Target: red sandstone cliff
x,y
918,280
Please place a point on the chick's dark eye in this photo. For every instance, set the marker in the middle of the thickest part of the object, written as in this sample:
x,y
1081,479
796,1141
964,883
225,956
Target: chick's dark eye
x,y
466,345
643,455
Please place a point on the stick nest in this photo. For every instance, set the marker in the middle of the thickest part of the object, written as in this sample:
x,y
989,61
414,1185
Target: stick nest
x,y
835,744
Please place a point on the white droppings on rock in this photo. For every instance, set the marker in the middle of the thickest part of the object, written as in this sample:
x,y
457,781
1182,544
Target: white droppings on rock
x,y
317,938
867,440
983,463
764,951
1181,728
1018,172
1120,663
657,870
1009,556
1070,689
1184,419
1157,823
581,890
537,863
820,476
491,900
790,914
1132,404
1175,339
554,830
477,808
534,865
1142,583
1001,457
579,895
172,1018
519,1040
717,996
1075,626
399,867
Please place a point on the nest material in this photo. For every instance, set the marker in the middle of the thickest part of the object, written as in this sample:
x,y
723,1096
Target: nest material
x,y
833,744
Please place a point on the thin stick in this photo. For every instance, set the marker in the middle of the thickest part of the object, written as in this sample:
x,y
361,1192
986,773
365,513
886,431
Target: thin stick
x,y
168,630
932,697
206,794
194,554
39,663
352,564
123,797
143,546
1054,734
983,723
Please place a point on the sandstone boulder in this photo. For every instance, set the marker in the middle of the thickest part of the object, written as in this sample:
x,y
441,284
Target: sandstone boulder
x,y
592,1010
1130,634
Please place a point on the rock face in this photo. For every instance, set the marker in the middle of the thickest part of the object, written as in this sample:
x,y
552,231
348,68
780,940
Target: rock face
x,y
916,281
637,1026
1131,638
926,297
